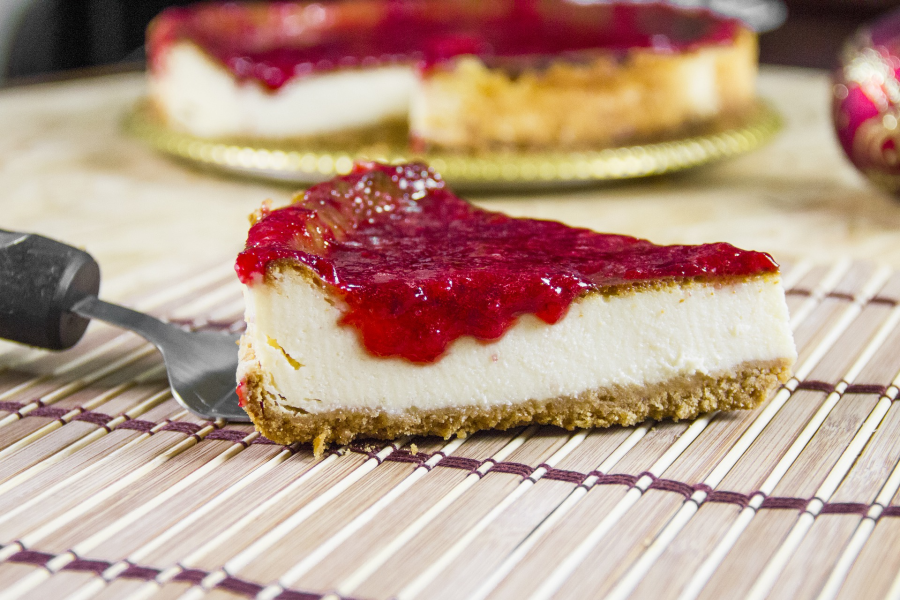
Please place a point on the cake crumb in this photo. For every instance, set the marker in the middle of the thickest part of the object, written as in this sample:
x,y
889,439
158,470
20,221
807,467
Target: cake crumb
x,y
261,212
413,449
320,442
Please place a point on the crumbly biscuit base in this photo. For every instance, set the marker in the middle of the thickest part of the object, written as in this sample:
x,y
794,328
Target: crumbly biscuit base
x,y
684,397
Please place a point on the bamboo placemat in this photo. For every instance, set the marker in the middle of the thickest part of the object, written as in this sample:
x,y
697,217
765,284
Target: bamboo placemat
x,y
108,489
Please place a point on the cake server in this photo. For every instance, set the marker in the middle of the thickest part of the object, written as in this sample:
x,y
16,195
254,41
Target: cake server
x,y
48,295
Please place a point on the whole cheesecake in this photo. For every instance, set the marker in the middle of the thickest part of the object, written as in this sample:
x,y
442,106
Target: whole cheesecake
x,y
460,74
380,304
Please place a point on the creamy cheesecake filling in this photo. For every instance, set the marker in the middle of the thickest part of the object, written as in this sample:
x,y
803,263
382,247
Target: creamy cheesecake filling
x,y
604,341
201,97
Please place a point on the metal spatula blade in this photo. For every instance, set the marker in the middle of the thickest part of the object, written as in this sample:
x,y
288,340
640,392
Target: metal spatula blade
x,y
48,294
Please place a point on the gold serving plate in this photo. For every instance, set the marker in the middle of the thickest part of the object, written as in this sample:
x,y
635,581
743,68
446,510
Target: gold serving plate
x,y
311,160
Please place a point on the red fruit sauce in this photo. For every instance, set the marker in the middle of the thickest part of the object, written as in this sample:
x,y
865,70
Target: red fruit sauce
x,y
242,394
417,267
276,42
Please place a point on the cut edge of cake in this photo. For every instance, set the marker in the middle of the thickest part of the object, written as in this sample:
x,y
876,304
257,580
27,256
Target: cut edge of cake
x,y
609,100
684,393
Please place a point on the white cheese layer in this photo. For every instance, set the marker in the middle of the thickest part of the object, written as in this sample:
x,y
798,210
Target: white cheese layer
x,y
201,97
634,339
460,107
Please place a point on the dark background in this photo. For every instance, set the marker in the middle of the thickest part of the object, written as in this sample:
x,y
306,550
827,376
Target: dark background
x,y
62,37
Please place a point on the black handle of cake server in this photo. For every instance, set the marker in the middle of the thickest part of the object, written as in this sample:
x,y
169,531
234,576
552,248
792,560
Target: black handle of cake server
x,y
40,280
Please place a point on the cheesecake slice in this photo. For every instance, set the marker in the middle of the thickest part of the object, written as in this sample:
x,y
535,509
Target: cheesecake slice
x,y
460,75
379,304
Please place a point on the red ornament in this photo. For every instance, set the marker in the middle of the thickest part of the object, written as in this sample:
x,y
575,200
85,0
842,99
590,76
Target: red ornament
x,y
866,101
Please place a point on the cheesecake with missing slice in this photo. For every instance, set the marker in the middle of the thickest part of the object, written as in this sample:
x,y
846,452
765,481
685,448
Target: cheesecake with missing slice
x,y
460,75
380,304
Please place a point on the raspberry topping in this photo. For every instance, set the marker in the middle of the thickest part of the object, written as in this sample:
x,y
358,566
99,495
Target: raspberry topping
x,y
418,268
276,42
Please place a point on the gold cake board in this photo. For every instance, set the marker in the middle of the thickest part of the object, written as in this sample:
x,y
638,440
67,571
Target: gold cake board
x,y
317,159
108,489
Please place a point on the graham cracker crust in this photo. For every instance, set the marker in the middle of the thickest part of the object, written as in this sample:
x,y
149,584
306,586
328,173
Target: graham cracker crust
x,y
684,397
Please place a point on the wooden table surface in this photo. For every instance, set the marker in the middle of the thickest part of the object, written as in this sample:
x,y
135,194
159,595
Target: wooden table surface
x,y
67,171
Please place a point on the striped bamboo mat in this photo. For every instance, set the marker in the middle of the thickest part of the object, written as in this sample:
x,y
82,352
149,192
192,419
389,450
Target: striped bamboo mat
x,y
108,489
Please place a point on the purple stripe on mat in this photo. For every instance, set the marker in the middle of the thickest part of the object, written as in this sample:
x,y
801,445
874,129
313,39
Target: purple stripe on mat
x,y
228,435
617,479
845,508
264,440
181,427
512,468
405,456
741,500
563,475
239,586
11,406
142,573
840,296
798,292
669,485
137,425
289,595
91,566
94,418
363,448
191,575
817,386
49,412
368,449
458,462
30,557
891,511
883,300
776,502
862,388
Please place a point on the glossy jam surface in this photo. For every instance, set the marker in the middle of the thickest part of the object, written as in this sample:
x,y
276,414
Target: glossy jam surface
x,y
418,267
274,43
242,394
